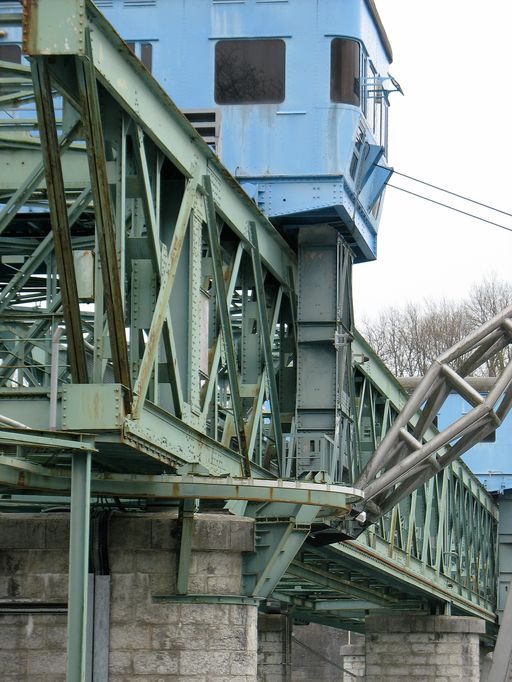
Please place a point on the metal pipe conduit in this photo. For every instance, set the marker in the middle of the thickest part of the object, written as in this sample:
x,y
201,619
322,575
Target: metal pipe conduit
x,y
12,422
391,476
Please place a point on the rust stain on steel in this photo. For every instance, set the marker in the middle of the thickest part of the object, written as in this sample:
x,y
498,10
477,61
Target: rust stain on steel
x,y
409,573
227,274
30,8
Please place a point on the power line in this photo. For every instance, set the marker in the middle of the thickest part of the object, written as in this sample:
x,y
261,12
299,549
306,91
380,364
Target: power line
x,y
452,208
454,194
446,191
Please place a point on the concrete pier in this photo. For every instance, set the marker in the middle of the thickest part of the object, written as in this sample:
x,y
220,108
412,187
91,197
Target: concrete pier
x,y
317,653
146,635
150,621
274,648
426,648
354,661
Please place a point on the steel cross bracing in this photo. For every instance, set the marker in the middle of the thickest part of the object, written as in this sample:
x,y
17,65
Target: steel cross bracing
x,y
440,541
147,304
186,276
436,549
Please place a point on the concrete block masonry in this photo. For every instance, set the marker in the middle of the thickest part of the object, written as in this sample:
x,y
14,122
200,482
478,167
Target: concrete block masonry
x,y
353,662
274,648
426,648
148,641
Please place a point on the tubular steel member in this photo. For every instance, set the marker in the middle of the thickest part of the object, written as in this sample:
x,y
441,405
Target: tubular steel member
x,y
406,458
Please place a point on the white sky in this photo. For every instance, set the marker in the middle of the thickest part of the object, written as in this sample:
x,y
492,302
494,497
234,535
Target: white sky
x,y
453,128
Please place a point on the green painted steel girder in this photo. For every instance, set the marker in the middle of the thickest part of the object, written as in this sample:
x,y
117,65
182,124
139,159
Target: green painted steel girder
x,y
226,599
334,499
139,122
277,543
18,162
422,581
63,441
98,408
316,576
150,106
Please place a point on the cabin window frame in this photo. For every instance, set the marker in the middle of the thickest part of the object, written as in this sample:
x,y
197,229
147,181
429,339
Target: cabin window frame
x,y
224,50
342,90
140,50
376,108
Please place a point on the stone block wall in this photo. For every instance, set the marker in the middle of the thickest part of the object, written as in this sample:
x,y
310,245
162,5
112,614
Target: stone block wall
x,y
354,662
274,648
426,648
148,641
171,642
316,653
33,568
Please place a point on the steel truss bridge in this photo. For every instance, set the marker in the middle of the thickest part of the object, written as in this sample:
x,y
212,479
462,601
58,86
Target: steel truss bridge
x,y
158,348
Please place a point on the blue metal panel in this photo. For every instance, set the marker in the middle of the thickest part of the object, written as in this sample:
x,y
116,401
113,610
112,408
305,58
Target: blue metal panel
x,y
298,140
490,462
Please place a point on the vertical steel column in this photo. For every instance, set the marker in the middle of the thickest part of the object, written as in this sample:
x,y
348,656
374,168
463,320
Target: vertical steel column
x,y
324,410
503,649
78,567
186,524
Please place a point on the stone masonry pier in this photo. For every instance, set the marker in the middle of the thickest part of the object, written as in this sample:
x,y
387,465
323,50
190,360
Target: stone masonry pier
x,y
144,639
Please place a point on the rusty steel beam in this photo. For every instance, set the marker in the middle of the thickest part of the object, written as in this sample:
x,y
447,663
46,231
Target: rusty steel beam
x,y
59,218
104,223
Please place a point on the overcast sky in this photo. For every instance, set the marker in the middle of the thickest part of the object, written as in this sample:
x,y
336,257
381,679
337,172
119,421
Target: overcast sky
x,y
453,129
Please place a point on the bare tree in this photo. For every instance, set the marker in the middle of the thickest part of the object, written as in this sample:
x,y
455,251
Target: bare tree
x,y
408,339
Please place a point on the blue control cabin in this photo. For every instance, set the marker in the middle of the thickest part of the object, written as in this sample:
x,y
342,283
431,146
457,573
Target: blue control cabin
x,y
293,95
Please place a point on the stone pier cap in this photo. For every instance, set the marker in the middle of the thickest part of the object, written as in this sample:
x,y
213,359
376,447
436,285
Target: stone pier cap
x,y
418,623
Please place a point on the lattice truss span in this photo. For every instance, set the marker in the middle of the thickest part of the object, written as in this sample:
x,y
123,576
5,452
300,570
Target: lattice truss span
x,y
147,303
155,282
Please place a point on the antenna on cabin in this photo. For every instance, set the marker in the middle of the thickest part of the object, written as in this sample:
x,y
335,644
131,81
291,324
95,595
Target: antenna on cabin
x,y
377,88
396,85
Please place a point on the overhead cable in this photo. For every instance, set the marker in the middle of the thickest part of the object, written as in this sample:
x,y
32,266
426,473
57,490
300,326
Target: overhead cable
x,y
454,194
446,191
452,208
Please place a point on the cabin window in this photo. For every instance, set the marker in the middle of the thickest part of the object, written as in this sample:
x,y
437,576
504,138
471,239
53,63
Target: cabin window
x,y
144,52
10,53
249,71
376,105
345,71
